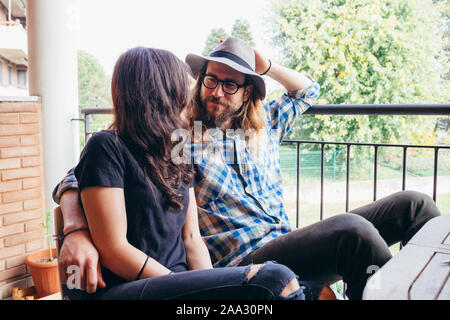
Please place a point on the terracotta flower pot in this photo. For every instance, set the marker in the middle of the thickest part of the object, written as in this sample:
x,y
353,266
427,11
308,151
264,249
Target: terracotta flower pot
x,y
45,274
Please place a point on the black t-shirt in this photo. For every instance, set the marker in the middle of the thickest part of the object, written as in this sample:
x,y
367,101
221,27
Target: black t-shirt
x,y
107,161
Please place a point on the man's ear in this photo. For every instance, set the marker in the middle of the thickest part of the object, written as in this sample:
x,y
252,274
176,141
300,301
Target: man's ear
x,y
248,92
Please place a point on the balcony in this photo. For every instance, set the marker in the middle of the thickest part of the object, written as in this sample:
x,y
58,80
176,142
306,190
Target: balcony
x,y
13,46
325,169
323,178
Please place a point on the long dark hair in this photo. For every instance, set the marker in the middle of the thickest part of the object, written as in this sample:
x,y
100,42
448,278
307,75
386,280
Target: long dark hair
x,y
150,89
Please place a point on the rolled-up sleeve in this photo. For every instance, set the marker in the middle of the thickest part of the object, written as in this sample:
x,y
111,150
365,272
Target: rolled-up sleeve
x,y
285,111
67,183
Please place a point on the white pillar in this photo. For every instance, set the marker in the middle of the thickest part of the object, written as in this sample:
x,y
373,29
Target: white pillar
x,y
52,27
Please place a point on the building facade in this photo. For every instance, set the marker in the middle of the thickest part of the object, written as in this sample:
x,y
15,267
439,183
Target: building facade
x,y
13,49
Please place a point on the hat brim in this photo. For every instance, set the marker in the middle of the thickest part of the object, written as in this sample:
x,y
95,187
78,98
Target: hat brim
x,y
197,62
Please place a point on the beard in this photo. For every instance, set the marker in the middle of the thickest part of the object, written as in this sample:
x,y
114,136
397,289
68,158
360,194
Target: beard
x,y
217,121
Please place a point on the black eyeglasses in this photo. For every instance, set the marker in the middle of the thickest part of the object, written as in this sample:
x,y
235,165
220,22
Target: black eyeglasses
x,y
228,86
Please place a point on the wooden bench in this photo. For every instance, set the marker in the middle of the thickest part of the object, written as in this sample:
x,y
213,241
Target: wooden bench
x,y
418,271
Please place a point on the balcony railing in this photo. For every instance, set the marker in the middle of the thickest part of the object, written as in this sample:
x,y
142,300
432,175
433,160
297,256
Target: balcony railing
x,y
385,110
348,145
13,36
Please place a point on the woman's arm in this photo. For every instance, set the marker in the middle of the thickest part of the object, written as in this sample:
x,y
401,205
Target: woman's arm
x,y
196,252
106,215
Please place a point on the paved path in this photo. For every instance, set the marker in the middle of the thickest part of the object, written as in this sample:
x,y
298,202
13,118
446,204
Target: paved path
x,y
334,192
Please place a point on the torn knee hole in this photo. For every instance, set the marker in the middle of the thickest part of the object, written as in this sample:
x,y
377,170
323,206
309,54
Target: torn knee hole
x,y
290,288
254,268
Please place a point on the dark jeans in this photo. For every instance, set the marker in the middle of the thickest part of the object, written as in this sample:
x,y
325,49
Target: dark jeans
x,y
350,246
215,284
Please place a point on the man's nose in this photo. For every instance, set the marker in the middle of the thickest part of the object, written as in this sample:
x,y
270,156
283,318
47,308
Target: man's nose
x,y
218,91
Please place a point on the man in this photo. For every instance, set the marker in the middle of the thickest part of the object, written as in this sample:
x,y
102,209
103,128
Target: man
x,y
238,188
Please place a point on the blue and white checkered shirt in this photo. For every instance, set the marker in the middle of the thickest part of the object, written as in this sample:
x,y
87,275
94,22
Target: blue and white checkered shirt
x,y
244,210
243,206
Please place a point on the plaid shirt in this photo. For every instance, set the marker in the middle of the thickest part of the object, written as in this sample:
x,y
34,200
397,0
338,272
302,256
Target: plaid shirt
x,y
243,203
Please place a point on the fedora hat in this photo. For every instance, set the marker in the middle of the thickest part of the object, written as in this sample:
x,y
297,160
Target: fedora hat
x,y
234,53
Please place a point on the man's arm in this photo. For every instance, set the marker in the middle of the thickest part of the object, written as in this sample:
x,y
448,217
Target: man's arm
x,y
77,248
72,211
69,182
290,79
302,92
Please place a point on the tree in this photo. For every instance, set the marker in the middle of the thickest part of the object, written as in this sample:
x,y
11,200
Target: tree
x,y
94,90
214,39
365,52
241,30
93,83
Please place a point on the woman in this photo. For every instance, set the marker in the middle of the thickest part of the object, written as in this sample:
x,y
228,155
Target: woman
x,y
140,206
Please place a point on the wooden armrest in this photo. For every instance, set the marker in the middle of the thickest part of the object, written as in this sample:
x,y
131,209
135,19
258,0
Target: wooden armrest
x,y
59,226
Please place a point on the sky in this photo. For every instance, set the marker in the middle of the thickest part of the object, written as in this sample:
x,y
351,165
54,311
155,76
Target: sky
x,y
107,28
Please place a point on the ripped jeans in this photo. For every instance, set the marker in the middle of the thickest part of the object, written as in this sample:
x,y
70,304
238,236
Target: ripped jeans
x,y
232,283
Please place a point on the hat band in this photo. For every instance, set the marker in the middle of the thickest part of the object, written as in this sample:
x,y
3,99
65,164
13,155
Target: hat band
x,y
232,57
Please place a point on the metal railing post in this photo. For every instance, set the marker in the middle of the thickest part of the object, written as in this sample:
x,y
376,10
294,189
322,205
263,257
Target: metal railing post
x,y
297,215
435,172
321,179
347,178
375,173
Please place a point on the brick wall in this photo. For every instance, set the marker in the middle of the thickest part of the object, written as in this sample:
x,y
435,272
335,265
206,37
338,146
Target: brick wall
x,y
21,190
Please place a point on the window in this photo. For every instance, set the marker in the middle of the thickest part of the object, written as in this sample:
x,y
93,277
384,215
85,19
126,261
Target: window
x,y
9,75
22,78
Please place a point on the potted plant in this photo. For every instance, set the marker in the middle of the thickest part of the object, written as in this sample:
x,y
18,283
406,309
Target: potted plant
x,y
43,264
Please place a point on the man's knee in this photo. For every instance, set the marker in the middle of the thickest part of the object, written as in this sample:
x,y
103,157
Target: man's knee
x,y
417,208
356,226
410,196
417,205
360,245
414,198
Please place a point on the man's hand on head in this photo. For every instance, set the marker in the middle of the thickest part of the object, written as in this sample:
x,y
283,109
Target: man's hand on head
x,y
261,63
288,78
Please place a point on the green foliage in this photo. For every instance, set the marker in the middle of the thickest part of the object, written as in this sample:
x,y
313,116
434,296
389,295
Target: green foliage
x,y
47,225
366,52
213,40
93,84
274,94
94,87
241,30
